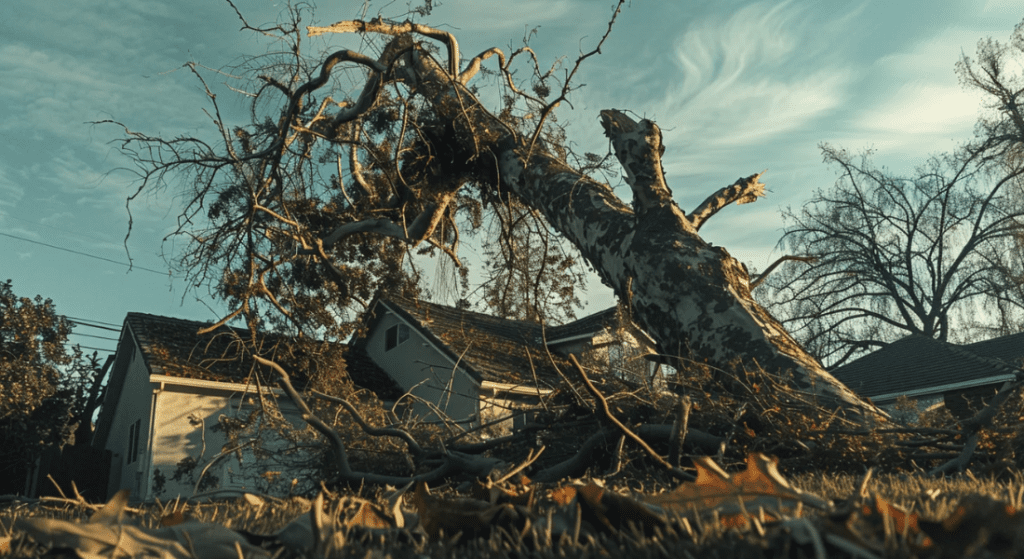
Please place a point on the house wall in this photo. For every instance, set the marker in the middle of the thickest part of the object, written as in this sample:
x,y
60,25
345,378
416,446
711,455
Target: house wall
x,y
418,367
188,436
133,409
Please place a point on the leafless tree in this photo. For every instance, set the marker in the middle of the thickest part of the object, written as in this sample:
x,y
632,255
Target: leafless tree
x,y
936,253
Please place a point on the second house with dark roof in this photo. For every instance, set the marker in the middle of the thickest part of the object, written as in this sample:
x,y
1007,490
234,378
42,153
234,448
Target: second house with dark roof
x,y
933,372
475,368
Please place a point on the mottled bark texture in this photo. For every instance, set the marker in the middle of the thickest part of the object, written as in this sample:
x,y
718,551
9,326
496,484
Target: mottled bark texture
x,y
691,297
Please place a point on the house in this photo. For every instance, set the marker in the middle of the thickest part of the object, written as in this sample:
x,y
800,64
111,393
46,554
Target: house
x,y
180,411
932,371
475,368
177,400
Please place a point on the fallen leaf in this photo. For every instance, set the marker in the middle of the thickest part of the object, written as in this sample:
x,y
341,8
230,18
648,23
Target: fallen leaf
x,y
736,496
370,516
173,519
254,500
613,512
470,517
106,534
977,523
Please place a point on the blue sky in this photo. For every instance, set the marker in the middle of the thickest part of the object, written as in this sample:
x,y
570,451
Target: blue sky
x,y
737,87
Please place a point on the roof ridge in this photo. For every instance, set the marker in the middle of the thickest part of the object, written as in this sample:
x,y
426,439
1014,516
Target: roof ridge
x,y
961,350
416,302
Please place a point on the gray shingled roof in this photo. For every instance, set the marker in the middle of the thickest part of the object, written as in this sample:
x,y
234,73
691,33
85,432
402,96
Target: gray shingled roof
x,y
917,363
492,348
586,325
1008,349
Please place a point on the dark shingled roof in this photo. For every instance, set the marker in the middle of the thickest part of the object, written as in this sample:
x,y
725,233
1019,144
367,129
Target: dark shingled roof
x,y
586,325
916,363
170,346
1008,349
492,348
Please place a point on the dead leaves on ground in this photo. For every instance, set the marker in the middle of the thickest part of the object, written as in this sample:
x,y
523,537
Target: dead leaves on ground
x,y
756,499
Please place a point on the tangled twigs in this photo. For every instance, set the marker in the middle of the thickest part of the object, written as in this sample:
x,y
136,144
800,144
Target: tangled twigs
x,y
413,446
603,402
972,427
452,462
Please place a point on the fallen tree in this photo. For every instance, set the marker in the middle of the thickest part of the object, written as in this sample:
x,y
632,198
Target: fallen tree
x,y
691,297
286,244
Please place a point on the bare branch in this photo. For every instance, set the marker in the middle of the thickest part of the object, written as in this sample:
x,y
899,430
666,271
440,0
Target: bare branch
x,y
603,402
757,281
414,447
743,191
385,27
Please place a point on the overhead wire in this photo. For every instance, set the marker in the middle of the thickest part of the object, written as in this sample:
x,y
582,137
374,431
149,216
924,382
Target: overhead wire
x,y
79,322
91,336
98,349
126,264
84,320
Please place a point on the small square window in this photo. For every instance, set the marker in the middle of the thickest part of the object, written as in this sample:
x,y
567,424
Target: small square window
x,y
395,336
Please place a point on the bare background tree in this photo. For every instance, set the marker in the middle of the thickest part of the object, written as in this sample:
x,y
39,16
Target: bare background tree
x,y
936,253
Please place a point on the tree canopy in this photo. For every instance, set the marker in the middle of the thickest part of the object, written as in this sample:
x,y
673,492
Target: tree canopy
x,y
36,401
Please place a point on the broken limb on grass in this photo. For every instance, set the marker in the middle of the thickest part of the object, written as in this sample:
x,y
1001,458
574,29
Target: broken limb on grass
x,y
579,462
607,411
449,462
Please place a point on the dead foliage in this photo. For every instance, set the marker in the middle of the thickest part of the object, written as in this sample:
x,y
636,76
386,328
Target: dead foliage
x,y
753,512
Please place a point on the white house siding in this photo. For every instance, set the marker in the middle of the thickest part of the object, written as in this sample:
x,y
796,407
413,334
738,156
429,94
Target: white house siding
x,y
186,425
420,368
133,409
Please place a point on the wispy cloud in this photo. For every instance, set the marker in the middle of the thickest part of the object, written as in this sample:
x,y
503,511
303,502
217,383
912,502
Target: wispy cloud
x,y
747,77
491,17
10,192
919,106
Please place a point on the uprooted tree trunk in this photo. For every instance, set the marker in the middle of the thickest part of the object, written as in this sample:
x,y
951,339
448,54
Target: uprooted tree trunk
x,y
691,297
422,146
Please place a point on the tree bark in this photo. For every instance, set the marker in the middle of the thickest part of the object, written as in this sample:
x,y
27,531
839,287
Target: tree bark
x,y
692,298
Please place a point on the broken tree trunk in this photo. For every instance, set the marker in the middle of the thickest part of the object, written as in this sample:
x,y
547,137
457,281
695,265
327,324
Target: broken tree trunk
x,y
691,297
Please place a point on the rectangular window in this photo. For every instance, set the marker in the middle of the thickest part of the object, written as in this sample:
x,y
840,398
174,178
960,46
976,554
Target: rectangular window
x,y
133,441
395,335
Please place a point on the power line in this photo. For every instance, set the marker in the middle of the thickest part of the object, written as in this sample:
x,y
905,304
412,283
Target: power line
x,y
97,349
83,320
80,323
129,266
91,336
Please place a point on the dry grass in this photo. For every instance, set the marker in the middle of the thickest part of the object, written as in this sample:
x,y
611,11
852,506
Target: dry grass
x,y
931,499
